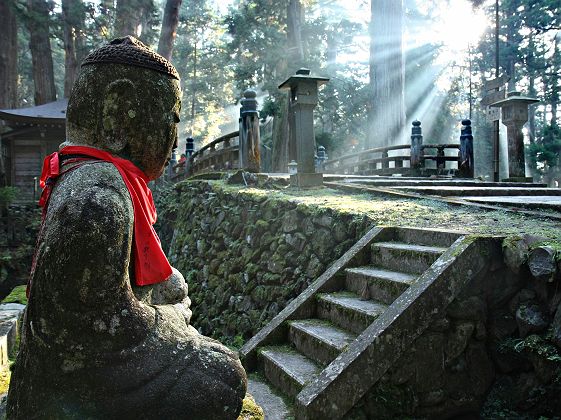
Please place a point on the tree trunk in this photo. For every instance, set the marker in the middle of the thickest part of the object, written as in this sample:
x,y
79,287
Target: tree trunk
x,y
8,56
387,73
41,54
556,59
73,23
281,134
169,27
512,45
128,15
294,34
531,89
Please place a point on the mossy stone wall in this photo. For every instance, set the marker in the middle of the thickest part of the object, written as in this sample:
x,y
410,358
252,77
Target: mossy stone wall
x,y
246,255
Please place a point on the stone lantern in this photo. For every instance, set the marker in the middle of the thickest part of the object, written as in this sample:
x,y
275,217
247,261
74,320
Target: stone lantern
x,y
514,110
303,99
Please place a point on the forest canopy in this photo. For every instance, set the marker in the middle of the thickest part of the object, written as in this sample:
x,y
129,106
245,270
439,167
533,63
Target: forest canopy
x,y
389,62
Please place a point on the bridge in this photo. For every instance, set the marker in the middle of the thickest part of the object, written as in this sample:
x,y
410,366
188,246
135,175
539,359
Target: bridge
x,y
413,169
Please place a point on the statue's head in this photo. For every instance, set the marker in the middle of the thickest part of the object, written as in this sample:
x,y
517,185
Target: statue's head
x,y
126,101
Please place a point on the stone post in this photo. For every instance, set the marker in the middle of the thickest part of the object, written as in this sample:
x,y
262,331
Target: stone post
x,y
303,100
465,155
171,165
249,133
189,147
417,153
514,114
322,157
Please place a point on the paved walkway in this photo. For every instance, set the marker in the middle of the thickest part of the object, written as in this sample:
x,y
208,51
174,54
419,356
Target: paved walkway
x,y
501,194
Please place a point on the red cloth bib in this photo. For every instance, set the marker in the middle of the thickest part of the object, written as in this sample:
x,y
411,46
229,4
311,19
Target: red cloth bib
x,y
150,263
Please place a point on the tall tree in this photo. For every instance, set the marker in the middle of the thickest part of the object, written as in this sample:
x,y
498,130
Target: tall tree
x,y
127,18
293,59
8,55
41,53
138,18
387,69
169,28
73,14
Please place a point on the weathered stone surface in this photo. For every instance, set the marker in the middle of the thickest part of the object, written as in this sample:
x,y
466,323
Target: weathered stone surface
x,y
472,308
90,348
530,319
542,263
458,340
515,253
556,327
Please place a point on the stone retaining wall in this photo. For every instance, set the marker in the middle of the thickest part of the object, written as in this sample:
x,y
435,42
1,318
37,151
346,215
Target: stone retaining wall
x,y
495,354
244,254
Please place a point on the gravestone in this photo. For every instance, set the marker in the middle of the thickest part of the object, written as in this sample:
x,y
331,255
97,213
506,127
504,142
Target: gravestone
x,y
94,346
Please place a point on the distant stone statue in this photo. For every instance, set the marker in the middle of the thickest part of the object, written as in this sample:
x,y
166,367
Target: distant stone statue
x,y
106,332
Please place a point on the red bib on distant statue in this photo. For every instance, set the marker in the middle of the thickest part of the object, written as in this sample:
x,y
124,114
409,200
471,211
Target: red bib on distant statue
x,y
150,263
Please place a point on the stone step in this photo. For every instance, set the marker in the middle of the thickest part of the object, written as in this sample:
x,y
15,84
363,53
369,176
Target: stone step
x,y
416,182
348,311
480,192
428,237
375,283
273,405
402,257
287,369
318,339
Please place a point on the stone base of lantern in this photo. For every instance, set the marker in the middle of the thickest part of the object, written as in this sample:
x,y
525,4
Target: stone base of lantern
x,y
302,180
528,179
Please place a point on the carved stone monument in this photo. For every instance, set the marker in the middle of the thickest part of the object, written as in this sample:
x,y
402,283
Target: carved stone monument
x,y
94,346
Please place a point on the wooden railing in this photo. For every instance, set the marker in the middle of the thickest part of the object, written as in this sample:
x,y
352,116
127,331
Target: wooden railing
x,y
410,159
381,161
219,155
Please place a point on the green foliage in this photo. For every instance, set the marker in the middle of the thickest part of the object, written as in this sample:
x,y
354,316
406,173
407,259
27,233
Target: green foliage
x,y
545,151
533,344
17,295
7,196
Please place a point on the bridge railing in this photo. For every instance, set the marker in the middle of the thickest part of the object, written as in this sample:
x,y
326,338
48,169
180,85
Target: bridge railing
x,y
375,160
410,159
220,154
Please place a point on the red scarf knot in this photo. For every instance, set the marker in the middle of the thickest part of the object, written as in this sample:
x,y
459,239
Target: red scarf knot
x,y
150,263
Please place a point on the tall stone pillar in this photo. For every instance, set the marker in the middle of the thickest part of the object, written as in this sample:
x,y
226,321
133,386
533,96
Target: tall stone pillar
x,y
303,100
514,114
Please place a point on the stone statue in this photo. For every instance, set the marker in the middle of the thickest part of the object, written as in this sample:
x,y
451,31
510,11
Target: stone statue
x,y
94,346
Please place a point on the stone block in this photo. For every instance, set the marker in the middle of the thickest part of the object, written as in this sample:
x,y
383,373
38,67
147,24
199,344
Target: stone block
x,y
306,180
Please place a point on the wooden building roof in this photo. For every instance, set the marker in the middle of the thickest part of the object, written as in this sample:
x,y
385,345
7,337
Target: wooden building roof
x,y
53,113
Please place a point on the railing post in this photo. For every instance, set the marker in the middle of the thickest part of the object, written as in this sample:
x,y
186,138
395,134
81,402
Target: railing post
x,y
171,165
385,163
465,155
249,133
190,147
322,157
417,161
440,161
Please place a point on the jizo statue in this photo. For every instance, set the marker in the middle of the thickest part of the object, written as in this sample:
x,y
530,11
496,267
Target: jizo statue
x,y
106,332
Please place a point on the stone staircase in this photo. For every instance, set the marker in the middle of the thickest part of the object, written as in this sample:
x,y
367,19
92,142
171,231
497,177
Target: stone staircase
x,y
319,351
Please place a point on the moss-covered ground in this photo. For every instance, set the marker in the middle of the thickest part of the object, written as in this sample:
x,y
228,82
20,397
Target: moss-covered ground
x,y
17,295
251,410
386,210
